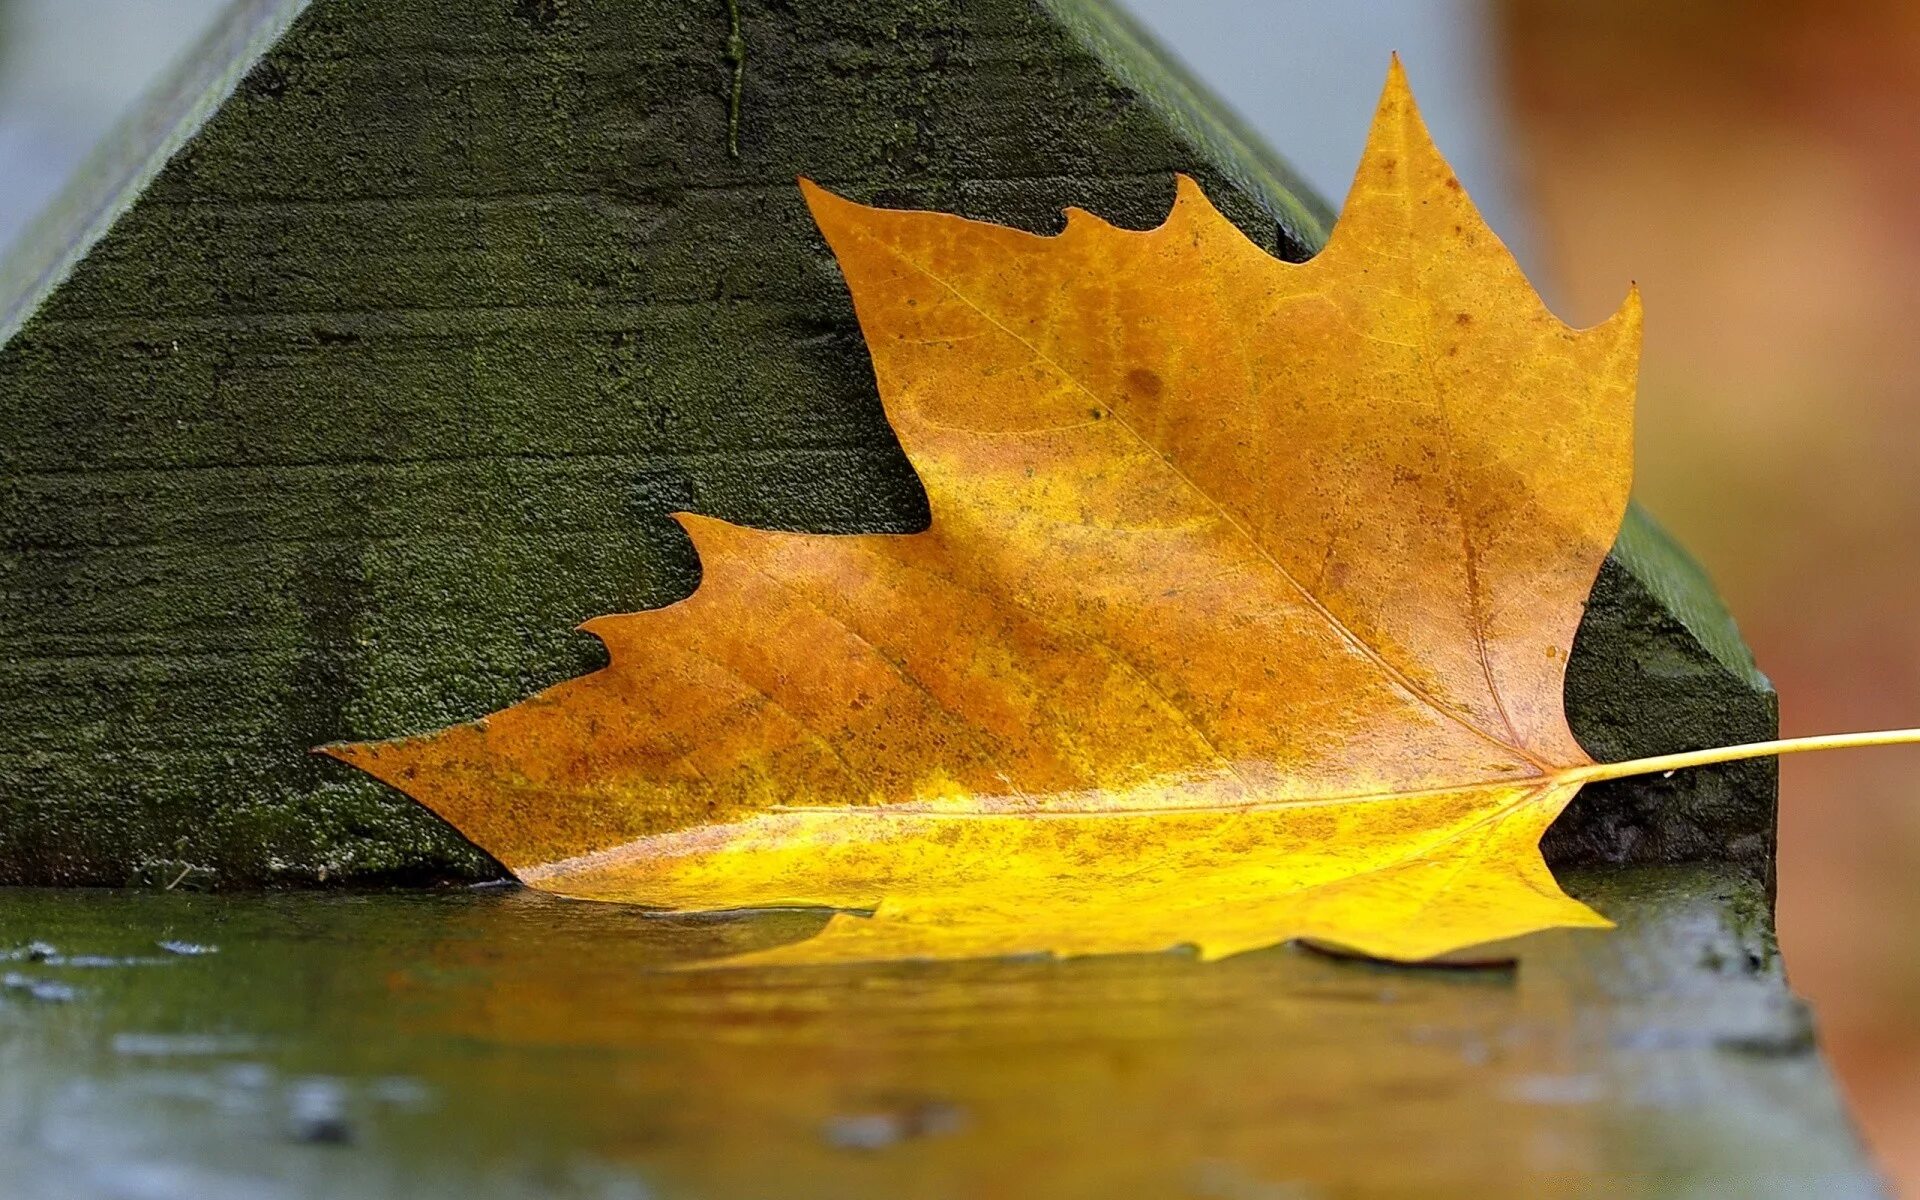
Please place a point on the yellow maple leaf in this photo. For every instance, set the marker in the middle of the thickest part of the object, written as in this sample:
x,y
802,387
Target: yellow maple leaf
x,y
1243,616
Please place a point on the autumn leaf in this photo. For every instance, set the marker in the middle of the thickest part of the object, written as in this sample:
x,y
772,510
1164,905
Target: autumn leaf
x,y
1243,615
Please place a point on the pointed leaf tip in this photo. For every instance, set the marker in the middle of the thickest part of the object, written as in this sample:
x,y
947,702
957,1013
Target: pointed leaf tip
x,y
1631,312
821,200
1396,87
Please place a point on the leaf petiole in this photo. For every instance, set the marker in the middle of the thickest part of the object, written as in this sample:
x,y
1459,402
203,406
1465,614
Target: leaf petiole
x,y
1720,754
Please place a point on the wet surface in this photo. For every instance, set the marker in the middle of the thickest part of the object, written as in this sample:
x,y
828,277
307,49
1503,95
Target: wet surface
x,y
156,1045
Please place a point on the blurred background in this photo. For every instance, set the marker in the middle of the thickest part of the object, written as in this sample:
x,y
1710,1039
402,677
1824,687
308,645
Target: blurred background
x,y
1753,164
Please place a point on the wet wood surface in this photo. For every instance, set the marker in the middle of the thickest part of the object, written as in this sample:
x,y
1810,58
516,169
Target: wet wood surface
x,y
503,1044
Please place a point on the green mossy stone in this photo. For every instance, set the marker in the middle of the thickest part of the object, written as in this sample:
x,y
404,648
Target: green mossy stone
x,y
364,362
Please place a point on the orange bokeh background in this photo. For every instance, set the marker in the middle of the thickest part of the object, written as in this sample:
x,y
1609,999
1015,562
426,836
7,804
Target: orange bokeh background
x,y
1756,167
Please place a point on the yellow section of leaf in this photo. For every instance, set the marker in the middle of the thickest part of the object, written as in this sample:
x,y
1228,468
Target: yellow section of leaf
x,y
1403,877
1243,614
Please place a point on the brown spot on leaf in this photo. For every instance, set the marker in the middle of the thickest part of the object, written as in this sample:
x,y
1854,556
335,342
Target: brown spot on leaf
x,y
1145,384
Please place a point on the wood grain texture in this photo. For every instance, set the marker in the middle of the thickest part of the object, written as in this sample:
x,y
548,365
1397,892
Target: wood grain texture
x,y
384,382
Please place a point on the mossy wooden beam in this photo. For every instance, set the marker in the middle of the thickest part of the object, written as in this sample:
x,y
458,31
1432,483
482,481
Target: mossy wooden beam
x,y
364,362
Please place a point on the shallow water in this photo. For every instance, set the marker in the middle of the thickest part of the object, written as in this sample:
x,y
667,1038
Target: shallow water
x,y
156,1045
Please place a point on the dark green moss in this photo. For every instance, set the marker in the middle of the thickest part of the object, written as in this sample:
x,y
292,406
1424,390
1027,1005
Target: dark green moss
x,y
1659,668
386,377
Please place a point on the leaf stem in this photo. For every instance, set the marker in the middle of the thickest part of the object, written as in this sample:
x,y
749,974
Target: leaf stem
x,y
1700,758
